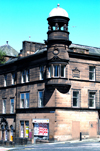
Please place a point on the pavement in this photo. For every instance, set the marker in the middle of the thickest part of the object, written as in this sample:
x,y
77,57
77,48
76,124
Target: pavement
x,y
72,141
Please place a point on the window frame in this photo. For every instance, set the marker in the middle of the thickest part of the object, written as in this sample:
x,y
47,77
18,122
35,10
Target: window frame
x,y
78,98
24,100
94,99
92,73
52,69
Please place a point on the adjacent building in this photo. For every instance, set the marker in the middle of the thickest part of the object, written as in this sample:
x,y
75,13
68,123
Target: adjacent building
x,y
52,90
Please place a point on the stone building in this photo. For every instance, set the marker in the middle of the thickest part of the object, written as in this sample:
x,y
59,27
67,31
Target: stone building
x,y
51,91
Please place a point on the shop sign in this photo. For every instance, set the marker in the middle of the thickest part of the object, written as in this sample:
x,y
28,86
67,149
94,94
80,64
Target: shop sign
x,y
40,121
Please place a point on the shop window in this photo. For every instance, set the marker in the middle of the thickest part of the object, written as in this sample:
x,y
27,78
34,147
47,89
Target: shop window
x,y
22,129
25,76
75,99
24,100
11,105
41,73
6,133
11,133
92,73
5,80
4,106
26,129
2,128
13,78
40,98
92,97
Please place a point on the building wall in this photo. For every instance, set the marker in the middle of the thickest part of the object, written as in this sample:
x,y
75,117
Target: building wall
x,y
87,123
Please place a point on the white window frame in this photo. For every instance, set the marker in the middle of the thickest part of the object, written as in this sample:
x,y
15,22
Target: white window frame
x,y
77,99
4,106
24,100
92,73
5,80
92,98
11,105
40,102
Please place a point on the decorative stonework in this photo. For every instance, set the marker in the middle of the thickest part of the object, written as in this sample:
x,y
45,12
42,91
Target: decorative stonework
x,y
76,73
56,51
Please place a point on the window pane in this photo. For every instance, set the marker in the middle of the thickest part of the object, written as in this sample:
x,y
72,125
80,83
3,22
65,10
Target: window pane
x,y
40,98
12,105
91,99
62,71
26,129
23,76
74,101
91,68
22,100
4,106
22,129
41,73
27,99
27,76
56,71
50,71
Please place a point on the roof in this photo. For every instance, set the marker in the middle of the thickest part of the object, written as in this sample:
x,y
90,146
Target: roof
x,y
58,12
9,50
92,51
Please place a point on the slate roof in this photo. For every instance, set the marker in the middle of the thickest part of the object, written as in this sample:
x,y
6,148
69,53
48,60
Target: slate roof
x,y
9,50
92,50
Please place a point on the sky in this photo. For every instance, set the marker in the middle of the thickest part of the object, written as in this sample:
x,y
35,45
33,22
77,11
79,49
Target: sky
x,y
20,19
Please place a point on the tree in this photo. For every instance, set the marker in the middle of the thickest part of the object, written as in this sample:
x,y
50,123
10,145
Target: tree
x,y
2,57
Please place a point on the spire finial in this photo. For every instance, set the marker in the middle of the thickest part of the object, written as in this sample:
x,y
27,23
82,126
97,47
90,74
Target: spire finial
x,y
58,5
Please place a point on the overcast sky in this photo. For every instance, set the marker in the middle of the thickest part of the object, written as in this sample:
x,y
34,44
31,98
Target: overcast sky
x,y
20,19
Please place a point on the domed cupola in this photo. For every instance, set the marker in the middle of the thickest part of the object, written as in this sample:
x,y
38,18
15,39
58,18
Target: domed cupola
x,y
57,50
58,32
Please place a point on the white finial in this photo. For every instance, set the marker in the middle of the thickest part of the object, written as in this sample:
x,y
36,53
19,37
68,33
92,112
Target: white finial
x,y
58,5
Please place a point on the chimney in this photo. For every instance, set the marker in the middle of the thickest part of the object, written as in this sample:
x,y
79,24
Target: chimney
x,y
7,42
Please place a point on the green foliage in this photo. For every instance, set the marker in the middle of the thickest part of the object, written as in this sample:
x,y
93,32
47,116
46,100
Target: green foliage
x,y
2,57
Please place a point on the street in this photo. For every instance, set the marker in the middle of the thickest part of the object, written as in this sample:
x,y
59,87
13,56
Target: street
x,y
81,146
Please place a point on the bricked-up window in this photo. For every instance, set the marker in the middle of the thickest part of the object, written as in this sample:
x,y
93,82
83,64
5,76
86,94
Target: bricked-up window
x,y
4,106
40,98
92,73
25,76
13,78
41,73
11,105
92,98
75,98
5,80
24,100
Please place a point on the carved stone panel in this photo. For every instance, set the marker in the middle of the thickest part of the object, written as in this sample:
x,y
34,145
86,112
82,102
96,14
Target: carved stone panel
x,y
76,73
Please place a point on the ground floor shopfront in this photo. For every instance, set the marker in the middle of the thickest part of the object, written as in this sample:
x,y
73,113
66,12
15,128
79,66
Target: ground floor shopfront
x,y
59,124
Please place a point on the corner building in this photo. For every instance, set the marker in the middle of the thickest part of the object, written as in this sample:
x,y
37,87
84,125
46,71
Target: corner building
x,y
51,91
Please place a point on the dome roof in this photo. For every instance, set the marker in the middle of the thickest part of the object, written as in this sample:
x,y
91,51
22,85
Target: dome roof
x,y
58,12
